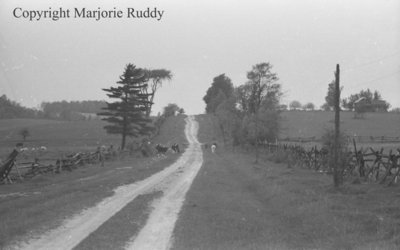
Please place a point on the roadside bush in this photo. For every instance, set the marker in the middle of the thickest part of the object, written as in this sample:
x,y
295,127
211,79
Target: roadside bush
x,y
158,123
328,141
24,133
279,156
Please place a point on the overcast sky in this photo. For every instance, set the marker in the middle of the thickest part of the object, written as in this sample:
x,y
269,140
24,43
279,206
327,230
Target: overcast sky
x,y
72,59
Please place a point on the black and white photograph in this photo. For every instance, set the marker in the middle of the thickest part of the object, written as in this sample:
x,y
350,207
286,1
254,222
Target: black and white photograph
x,y
212,125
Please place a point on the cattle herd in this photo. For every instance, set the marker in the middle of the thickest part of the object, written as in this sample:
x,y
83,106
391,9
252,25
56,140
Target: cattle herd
x,y
162,150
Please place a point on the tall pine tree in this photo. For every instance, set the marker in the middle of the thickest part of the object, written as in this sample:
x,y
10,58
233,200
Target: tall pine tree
x,y
127,115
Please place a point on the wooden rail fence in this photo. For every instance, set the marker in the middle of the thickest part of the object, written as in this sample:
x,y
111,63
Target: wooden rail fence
x,y
365,164
24,170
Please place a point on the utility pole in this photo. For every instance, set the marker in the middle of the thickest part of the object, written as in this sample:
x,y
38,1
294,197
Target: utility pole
x,y
337,174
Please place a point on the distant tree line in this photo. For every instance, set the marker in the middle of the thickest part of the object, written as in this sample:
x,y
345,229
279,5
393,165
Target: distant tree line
x,y
11,109
296,105
364,101
73,110
63,110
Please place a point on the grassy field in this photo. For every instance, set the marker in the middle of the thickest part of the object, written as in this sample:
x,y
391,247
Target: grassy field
x,y
67,137
234,204
306,124
58,136
314,123
42,203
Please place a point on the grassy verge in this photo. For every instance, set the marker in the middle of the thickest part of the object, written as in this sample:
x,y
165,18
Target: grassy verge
x,y
236,205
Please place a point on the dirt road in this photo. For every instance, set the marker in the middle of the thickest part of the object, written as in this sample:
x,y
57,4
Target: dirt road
x,y
174,181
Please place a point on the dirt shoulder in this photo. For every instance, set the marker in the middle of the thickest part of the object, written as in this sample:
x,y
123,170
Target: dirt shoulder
x,y
234,204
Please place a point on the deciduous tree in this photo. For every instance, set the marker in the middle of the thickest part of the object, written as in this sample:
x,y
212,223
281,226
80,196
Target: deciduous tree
x,y
295,105
170,109
156,78
221,87
309,106
264,92
228,118
24,133
330,96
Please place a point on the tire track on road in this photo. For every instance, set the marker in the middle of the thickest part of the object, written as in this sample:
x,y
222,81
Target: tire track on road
x,y
157,233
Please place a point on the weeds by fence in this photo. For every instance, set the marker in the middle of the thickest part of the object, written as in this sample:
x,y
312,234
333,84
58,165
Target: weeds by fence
x,y
357,165
29,169
35,165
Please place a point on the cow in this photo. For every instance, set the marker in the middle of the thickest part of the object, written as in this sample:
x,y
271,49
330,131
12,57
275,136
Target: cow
x,y
175,148
161,150
24,149
213,147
